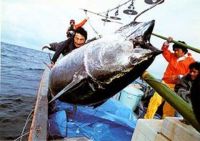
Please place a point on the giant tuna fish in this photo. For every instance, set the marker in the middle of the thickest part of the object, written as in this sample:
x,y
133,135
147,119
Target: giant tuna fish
x,y
98,70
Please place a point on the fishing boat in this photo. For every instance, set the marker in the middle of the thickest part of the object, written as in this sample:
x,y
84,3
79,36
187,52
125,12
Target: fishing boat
x,y
40,124
113,116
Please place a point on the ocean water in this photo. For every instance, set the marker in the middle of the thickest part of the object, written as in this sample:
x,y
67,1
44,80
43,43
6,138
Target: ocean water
x,y
21,71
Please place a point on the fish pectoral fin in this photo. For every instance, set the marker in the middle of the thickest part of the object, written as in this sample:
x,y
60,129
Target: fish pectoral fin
x,y
77,78
66,88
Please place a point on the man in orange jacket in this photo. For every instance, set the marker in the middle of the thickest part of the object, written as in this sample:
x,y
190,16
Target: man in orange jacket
x,y
71,30
178,65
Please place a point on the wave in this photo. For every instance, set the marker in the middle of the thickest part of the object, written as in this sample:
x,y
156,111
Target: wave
x,y
21,70
40,69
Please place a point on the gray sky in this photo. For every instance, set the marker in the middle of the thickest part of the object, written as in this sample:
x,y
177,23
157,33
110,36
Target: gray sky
x,y
33,23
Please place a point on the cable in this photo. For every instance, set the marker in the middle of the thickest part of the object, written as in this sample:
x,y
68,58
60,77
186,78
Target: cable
x,y
21,136
27,120
117,6
101,13
147,10
91,25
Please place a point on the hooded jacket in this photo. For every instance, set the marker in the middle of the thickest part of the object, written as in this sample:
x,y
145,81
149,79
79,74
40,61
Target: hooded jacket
x,y
176,66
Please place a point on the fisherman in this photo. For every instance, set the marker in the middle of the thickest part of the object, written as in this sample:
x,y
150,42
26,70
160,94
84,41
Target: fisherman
x,y
183,87
69,33
195,97
76,41
73,27
178,64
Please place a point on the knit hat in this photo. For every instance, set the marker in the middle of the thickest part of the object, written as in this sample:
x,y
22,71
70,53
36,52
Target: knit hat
x,y
82,31
181,47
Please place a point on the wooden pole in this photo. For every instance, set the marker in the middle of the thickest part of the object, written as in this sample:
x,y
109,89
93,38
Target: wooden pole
x,y
176,42
174,100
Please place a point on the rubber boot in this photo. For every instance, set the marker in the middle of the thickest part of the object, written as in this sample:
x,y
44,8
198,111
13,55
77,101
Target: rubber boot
x,y
155,102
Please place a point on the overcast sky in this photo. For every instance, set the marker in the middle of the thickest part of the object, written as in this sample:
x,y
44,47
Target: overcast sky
x,y
33,23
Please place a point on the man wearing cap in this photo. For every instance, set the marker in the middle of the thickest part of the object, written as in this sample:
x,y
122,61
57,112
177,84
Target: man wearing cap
x,y
76,41
178,65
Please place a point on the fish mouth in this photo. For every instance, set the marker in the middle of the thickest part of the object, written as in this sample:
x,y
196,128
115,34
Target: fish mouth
x,y
148,45
152,54
139,42
155,52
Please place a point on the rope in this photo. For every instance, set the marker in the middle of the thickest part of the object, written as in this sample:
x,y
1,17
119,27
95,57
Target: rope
x,y
21,136
27,120
91,25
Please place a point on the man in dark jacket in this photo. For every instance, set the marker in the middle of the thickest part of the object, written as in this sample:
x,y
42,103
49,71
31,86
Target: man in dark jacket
x,y
183,87
195,97
68,45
